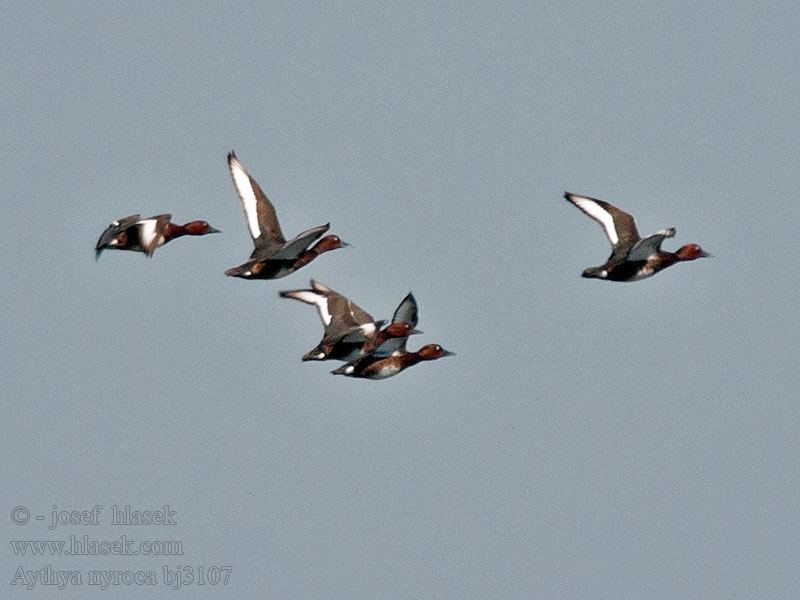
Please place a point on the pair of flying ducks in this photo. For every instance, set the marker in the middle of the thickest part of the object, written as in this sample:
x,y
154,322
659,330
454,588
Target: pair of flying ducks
x,y
272,257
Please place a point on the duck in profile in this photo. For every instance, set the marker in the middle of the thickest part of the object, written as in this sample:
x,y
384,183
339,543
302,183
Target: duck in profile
x,y
273,257
632,256
376,367
145,235
349,331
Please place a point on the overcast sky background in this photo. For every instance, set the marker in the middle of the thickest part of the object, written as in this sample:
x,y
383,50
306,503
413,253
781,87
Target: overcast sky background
x,y
589,440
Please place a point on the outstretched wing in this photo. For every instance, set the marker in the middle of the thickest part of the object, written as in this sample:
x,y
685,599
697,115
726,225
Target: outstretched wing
x,y
259,213
112,231
406,312
340,316
649,245
619,226
295,247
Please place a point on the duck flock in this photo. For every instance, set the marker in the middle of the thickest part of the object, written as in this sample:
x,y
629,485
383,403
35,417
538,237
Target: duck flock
x,y
371,349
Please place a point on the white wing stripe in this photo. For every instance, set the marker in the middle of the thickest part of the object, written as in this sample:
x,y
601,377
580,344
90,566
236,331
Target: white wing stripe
x,y
318,300
147,232
245,190
600,215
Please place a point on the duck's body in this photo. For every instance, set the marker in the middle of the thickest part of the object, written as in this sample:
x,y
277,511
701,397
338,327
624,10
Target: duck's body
x,y
376,367
145,235
272,257
632,256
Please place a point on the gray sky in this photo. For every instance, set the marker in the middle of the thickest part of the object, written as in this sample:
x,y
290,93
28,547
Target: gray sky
x,y
590,440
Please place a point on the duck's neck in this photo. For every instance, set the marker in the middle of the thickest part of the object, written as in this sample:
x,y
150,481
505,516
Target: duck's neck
x,y
305,258
410,358
666,259
174,231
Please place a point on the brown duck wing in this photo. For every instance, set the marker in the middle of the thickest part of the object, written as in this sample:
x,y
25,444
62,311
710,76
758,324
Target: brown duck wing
x,y
619,226
259,213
